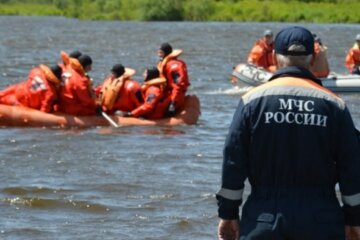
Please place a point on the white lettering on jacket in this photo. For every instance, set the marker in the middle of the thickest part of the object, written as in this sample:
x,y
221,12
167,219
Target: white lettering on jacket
x,y
37,84
294,111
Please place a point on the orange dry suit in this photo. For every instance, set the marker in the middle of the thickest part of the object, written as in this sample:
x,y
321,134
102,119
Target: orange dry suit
x,y
38,92
262,55
175,72
120,94
76,94
352,60
156,103
8,97
320,67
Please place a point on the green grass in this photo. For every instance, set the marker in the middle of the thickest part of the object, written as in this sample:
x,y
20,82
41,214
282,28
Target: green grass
x,y
326,11
279,11
25,9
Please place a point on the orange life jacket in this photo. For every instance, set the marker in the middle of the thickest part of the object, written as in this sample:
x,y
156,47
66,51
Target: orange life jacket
x,y
159,82
173,55
65,58
50,76
109,92
127,98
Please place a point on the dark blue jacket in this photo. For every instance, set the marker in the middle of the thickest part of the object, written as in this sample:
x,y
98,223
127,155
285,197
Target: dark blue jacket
x,y
291,135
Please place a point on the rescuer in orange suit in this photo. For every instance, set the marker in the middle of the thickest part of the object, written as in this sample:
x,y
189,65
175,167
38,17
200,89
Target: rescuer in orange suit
x,y
39,91
153,90
352,60
76,94
320,67
175,72
119,92
262,53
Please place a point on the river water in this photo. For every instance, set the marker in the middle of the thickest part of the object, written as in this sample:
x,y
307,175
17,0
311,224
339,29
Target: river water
x,y
133,182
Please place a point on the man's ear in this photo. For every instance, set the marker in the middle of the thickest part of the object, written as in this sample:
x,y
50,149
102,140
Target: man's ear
x,y
312,60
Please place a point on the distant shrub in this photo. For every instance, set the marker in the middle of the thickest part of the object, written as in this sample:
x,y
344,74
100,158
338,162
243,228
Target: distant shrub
x,y
199,10
162,10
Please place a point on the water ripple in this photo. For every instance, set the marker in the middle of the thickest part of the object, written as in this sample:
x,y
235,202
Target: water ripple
x,y
58,204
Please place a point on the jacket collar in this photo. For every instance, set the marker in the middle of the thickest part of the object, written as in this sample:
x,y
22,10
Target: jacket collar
x,y
293,71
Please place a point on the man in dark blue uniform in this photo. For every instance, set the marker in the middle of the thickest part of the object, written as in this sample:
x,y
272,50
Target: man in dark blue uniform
x,y
294,141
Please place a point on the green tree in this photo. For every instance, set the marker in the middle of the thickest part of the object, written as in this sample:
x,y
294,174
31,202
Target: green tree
x,y
130,10
61,4
163,10
199,10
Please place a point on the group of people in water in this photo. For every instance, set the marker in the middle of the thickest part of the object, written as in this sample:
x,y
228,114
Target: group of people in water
x,y
67,88
262,55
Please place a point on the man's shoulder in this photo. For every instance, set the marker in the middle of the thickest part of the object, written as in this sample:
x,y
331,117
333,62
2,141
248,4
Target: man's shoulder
x,y
130,84
175,63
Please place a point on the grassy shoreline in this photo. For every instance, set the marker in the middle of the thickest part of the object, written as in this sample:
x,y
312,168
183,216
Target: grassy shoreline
x,y
191,10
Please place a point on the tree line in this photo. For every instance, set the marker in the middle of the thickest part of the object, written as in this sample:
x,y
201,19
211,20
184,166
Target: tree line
x,y
318,11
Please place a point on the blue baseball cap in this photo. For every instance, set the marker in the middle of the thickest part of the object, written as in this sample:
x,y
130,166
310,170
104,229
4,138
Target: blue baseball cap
x,y
294,36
